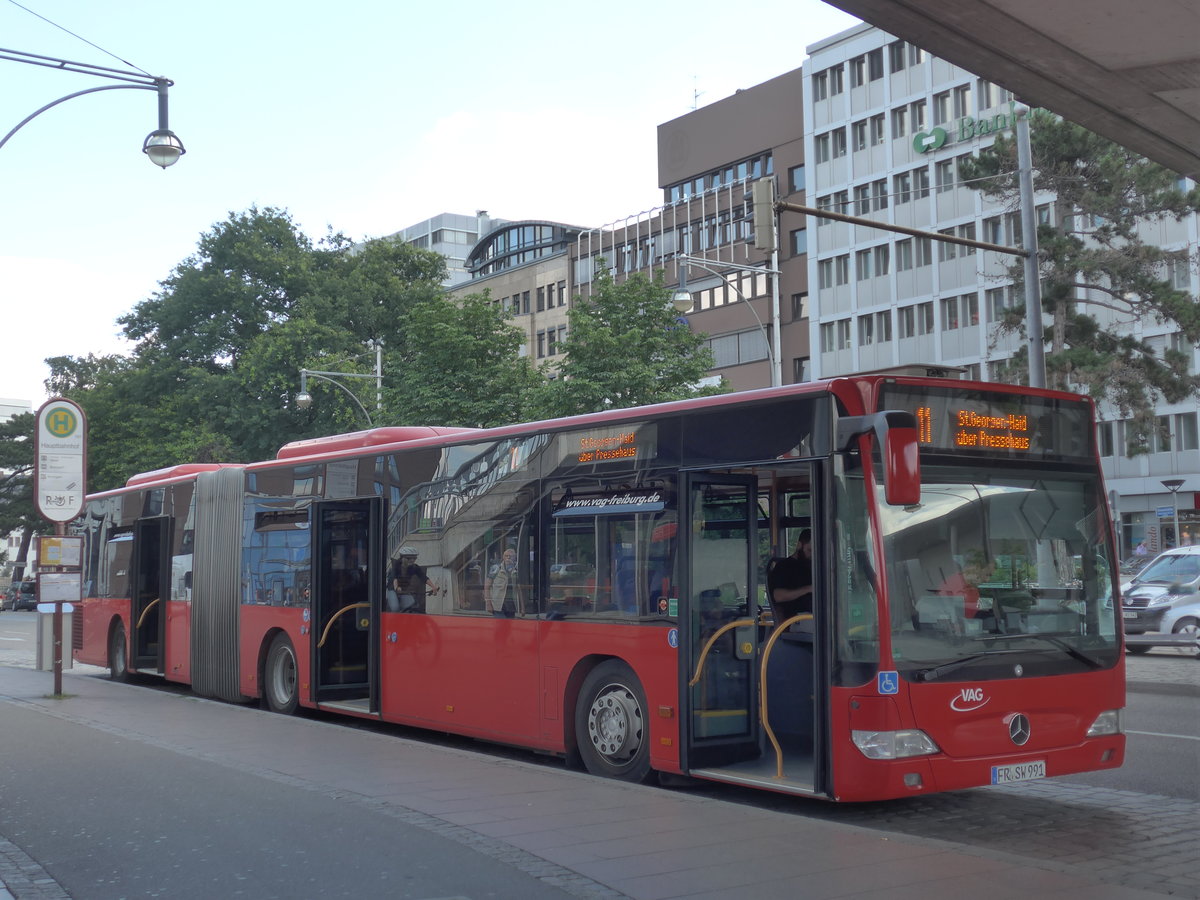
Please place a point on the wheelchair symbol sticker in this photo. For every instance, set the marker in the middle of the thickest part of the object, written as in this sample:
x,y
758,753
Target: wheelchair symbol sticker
x,y
673,637
888,682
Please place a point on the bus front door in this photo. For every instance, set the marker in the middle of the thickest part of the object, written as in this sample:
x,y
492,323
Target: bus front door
x,y
719,633
347,590
150,590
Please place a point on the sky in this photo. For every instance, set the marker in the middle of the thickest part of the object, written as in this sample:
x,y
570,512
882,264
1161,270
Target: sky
x,y
363,117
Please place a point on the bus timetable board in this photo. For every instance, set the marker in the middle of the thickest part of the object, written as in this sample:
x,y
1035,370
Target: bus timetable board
x,y
995,423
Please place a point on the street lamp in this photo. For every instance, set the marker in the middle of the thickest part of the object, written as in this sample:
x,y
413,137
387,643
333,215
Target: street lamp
x,y
1173,485
304,399
162,147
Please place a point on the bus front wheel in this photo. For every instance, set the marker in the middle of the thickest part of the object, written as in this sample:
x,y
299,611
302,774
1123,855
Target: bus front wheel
x,y
280,677
118,654
610,724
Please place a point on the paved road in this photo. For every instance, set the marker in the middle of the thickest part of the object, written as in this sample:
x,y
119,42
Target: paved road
x,y
188,780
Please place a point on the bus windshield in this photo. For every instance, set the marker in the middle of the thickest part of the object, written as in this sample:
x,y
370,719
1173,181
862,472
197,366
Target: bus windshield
x,y
998,574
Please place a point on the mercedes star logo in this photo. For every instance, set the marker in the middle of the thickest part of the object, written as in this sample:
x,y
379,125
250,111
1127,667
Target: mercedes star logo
x,y
1018,729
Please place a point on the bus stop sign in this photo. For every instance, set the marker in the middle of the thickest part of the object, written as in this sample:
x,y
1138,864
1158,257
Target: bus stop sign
x,y
60,462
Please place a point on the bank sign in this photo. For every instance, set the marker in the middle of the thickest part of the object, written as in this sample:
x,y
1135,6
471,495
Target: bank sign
x,y
966,129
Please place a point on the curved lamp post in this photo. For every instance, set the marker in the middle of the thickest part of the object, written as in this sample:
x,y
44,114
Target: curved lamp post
x,y
161,146
304,399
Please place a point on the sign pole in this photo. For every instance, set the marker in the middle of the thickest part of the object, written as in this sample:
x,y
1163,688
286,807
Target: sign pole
x,y
60,475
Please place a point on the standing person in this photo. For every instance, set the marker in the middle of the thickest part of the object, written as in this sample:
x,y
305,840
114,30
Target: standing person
x,y
502,592
410,583
1140,549
789,581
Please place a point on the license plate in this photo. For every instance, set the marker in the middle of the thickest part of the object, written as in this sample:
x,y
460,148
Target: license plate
x,y
1030,771
1131,615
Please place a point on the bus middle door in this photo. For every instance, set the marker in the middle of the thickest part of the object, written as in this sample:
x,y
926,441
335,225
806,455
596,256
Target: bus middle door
x,y
150,591
718,621
347,591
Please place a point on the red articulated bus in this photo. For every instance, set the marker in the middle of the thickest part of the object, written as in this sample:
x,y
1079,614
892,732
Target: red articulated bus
x,y
597,587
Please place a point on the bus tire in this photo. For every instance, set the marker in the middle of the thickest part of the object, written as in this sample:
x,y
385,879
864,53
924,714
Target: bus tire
x,y
118,653
611,729
281,677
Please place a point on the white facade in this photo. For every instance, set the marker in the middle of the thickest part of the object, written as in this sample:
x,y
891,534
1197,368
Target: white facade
x,y
452,235
881,299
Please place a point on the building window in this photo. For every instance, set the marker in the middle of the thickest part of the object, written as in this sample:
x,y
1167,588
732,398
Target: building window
x,y
966,231
907,321
993,230
525,302
1104,432
862,264
904,255
800,370
943,175
541,299
841,202
1186,435
551,341
796,179
562,293
999,301
821,148
1162,434
826,337
799,241
962,101
877,129
824,203
841,266
1178,274
917,120
824,274
897,56
946,250
839,143
949,313
799,306
866,330
921,182
875,64
883,326
820,83
925,317
837,80
902,187
843,334
541,344
879,194
883,259
899,122
862,199
858,71
924,251
916,55
858,135
970,309
941,108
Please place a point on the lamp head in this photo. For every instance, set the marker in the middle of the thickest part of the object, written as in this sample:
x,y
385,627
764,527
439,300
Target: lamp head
x,y
163,147
681,300
304,400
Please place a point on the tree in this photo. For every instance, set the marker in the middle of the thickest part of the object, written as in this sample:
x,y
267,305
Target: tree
x,y
1101,276
17,509
626,346
460,367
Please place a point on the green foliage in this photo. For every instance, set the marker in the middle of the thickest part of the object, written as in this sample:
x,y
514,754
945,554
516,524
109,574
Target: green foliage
x,y
625,346
1101,272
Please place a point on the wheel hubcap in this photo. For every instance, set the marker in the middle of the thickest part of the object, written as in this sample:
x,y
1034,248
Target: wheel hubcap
x,y
615,724
283,681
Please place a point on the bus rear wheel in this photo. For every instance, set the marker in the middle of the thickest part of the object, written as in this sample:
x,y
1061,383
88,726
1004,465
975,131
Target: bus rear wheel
x,y
118,654
610,724
280,677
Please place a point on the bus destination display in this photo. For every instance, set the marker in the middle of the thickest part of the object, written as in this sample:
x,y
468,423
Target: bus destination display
x,y
994,423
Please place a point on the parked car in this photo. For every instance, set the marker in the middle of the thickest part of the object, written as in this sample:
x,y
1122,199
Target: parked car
x,y
1170,582
26,597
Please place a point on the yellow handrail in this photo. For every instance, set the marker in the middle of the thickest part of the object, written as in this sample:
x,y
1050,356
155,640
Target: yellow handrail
x,y
712,640
142,617
762,687
334,618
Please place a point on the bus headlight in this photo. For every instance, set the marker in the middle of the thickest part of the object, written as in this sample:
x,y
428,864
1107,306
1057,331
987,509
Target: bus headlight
x,y
1110,721
893,744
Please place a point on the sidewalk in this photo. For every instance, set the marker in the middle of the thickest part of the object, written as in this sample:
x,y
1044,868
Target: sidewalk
x,y
586,836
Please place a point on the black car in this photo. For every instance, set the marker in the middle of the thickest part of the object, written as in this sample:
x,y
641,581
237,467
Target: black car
x,y
26,598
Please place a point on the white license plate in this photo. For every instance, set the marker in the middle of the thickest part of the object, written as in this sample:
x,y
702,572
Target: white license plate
x,y
1030,771
1130,615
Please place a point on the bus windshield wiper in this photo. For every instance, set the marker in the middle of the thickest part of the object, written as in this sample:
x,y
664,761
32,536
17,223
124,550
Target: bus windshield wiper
x,y
938,671
1068,648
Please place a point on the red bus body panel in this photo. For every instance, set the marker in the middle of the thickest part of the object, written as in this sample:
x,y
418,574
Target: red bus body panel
x,y
98,614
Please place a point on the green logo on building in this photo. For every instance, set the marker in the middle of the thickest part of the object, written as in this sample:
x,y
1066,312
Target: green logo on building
x,y
926,141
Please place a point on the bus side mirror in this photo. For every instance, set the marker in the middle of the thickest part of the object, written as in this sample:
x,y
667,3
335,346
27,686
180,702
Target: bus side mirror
x,y
896,434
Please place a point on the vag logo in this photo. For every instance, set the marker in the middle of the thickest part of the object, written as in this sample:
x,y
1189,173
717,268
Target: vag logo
x,y
969,699
927,141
